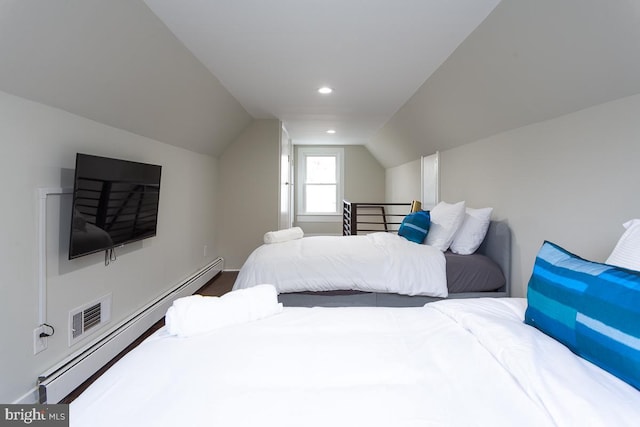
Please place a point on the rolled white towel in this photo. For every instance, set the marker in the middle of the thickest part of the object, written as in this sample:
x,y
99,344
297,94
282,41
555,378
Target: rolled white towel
x,y
197,314
283,235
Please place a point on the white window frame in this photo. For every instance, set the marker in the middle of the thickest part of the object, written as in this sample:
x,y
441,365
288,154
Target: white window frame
x,y
303,153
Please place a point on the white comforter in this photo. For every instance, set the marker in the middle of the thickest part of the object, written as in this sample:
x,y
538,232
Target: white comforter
x,y
377,262
452,363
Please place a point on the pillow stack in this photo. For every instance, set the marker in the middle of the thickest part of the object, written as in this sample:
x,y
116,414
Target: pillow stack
x,y
448,226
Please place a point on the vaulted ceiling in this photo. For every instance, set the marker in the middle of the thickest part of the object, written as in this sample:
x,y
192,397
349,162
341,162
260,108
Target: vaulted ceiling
x,y
410,77
529,61
274,55
116,63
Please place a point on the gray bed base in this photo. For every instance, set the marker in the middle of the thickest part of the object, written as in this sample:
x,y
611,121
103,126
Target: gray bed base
x,y
496,245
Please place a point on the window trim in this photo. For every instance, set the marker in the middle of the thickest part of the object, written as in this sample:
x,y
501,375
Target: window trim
x,y
312,151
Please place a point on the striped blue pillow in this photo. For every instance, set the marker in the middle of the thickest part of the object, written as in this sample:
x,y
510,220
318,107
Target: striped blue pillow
x,y
415,226
592,308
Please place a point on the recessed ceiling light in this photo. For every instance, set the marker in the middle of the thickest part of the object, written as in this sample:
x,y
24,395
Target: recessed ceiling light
x,y
325,90
331,131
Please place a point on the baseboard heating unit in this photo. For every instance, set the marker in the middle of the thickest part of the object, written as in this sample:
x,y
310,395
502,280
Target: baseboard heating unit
x,y
55,384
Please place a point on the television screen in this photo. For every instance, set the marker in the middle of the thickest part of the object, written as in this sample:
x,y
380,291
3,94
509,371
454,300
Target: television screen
x,y
114,202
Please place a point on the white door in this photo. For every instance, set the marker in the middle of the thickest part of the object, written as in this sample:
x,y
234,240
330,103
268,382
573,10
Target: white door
x,y
430,181
286,185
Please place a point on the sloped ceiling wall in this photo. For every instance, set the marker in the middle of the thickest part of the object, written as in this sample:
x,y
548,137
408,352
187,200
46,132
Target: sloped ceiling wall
x,y
114,62
529,61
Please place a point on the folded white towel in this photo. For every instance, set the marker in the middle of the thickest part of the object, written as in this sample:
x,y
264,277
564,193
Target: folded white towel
x,y
283,235
197,314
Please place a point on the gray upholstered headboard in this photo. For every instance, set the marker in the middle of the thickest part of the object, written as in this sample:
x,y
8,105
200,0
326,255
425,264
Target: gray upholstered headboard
x,y
497,246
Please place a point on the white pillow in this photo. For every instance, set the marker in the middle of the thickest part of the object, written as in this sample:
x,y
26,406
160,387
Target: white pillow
x,y
446,218
472,231
626,254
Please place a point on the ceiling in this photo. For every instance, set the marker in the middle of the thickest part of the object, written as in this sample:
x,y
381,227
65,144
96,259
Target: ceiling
x,y
411,77
272,56
529,61
116,63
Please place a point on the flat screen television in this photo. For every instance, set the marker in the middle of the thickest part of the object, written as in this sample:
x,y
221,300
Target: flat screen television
x,y
114,202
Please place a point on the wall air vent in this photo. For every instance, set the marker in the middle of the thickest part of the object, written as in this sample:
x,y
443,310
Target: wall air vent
x,y
68,374
90,317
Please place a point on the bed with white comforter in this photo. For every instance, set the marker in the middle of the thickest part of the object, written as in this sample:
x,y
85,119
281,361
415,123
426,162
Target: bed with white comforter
x,y
452,363
377,262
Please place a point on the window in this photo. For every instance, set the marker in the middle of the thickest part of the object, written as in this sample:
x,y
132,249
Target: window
x,y
320,189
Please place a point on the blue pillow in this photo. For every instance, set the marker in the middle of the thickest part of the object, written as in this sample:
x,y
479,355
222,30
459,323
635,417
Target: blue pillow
x,y
415,226
592,308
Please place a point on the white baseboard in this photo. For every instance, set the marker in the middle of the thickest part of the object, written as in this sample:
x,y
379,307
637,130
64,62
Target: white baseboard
x,y
62,379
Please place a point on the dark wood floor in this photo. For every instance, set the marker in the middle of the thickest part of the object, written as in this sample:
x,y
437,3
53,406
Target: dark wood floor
x,y
219,285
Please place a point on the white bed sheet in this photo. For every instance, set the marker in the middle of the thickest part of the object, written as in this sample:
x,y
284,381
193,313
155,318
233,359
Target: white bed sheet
x,y
377,262
452,363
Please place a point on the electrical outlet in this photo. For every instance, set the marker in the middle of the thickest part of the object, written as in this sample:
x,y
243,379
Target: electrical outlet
x,y
204,252
39,343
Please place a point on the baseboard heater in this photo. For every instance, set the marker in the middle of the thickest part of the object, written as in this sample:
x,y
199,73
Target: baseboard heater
x,y
55,384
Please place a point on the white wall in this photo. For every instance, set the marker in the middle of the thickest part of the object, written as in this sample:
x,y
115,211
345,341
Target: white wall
x,y
402,183
248,193
39,144
363,175
572,180
115,62
528,61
